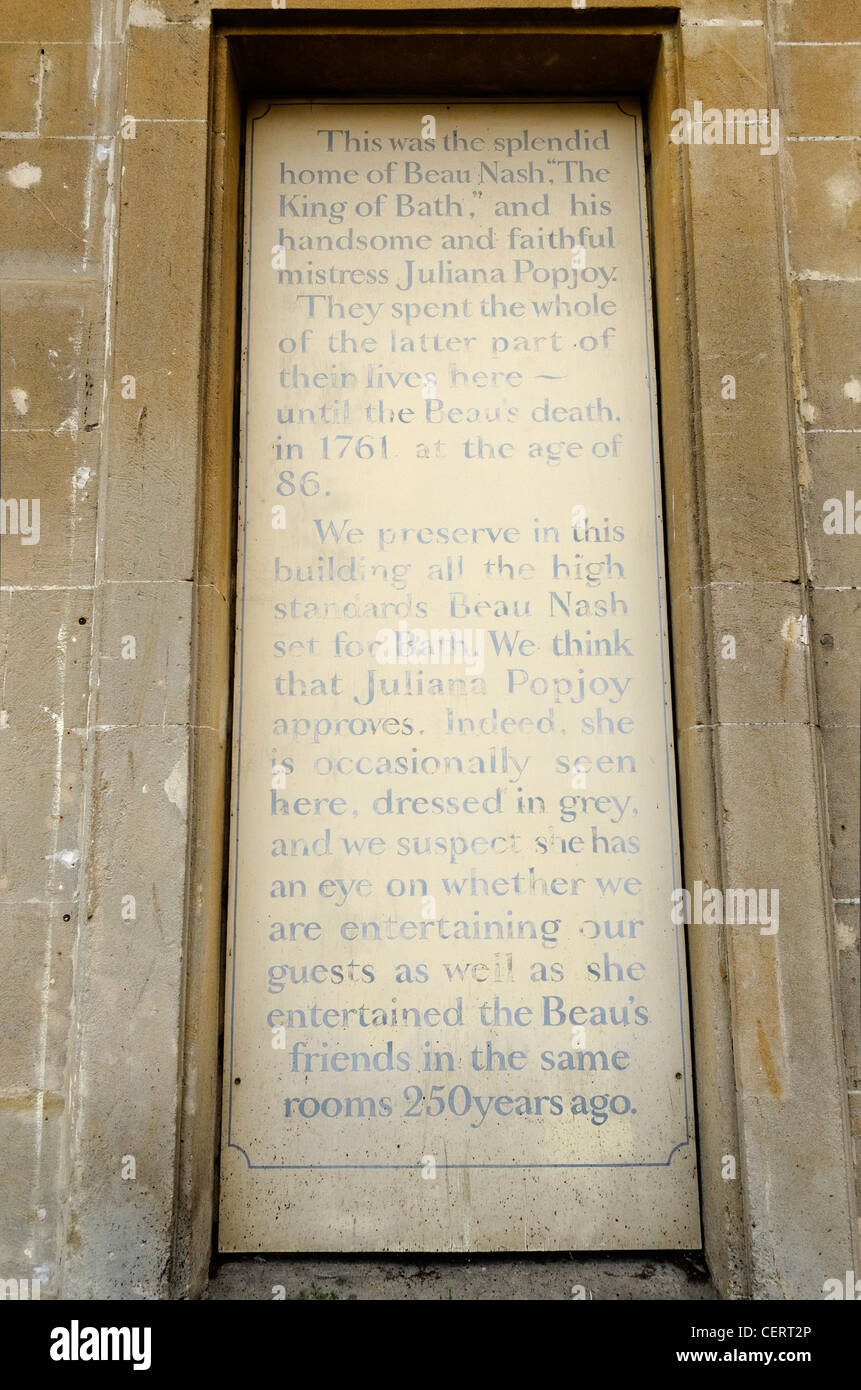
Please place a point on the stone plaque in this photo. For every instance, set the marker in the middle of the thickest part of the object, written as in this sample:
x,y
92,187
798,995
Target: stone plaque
x,y
456,1015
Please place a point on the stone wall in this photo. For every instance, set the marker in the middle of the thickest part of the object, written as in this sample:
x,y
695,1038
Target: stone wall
x,y
103,1024
817,67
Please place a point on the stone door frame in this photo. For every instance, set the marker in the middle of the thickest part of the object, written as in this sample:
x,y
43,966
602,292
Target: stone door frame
x,y
767,1041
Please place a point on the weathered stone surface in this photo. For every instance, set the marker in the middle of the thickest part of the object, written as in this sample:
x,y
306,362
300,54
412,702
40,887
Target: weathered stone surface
x,y
20,65
154,435
31,1197
766,680
71,80
142,494
145,652
692,703
819,89
813,21
168,73
849,960
836,643
127,1019
47,378
479,1279
40,848
42,20
830,315
840,753
835,557
740,328
51,199
62,474
782,1071
822,182
36,994
48,660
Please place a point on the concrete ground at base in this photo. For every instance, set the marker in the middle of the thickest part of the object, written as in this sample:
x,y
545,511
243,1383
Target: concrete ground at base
x,y
481,1278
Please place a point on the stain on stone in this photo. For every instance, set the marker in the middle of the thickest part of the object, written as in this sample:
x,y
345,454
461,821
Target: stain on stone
x,y
767,1061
